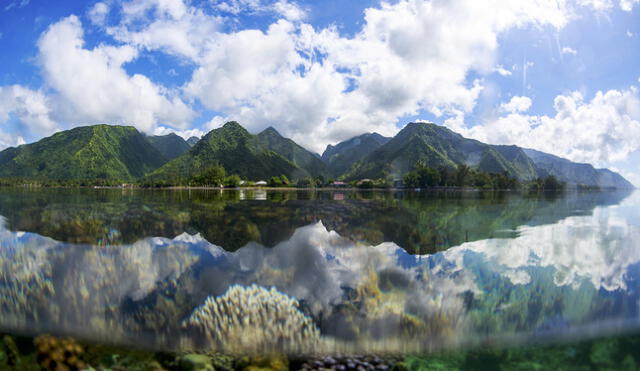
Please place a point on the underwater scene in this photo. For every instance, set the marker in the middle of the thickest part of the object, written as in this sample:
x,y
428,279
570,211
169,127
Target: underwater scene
x,y
314,276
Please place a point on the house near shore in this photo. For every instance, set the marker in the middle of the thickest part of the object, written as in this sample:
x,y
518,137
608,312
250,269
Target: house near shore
x,y
261,183
339,184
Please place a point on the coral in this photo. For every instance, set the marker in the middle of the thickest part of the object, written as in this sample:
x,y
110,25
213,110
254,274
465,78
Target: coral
x,y
59,354
254,320
12,354
272,362
346,363
195,362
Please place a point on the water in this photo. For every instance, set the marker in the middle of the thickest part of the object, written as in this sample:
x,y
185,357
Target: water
x,y
302,272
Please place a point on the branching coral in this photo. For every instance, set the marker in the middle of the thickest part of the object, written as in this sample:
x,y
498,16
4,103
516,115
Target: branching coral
x,y
254,320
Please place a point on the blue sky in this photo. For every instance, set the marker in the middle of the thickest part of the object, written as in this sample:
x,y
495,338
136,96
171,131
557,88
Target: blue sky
x,y
559,76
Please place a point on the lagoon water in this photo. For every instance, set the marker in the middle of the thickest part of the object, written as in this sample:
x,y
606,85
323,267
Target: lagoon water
x,y
353,271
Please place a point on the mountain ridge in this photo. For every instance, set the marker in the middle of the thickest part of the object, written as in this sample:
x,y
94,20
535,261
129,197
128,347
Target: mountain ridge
x,y
344,154
232,147
113,152
438,146
170,145
107,152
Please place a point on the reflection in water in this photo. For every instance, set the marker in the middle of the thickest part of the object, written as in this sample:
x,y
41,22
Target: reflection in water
x,y
419,222
571,266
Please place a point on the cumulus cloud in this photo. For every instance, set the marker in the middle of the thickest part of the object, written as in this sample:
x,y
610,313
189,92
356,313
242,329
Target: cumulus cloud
x,y
92,86
98,13
517,104
627,5
599,131
29,107
185,134
169,26
318,86
568,50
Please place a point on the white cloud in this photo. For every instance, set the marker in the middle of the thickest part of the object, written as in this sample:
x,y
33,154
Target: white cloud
x,y
93,87
601,131
316,85
516,104
598,5
282,8
185,134
502,71
30,108
173,28
289,10
627,5
98,13
320,87
629,33
568,50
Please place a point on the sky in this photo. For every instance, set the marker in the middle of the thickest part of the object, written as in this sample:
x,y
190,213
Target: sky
x,y
560,76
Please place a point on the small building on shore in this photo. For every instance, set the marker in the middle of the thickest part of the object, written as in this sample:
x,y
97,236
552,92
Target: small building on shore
x,y
261,183
339,184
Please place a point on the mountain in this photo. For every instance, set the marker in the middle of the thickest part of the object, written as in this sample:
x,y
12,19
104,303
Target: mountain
x,y
287,148
84,153
343,155
576,173
170,145
238,151
438,146
192,141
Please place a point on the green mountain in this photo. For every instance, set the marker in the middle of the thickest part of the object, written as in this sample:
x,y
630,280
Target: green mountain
x,y
192,141
100,152
170,145
120,153
575,173
438,146
343,155
310,163
238,151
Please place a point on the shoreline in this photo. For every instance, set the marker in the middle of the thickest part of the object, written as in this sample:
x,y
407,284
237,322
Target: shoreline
x,y
349,189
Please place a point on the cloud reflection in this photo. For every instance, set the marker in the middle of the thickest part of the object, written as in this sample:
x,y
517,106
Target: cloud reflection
x,y
356,293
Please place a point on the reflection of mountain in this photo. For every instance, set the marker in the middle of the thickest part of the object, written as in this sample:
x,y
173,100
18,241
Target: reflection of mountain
x,y
418,222
577,273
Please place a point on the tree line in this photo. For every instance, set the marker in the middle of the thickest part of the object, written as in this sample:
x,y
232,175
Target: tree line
x,y
423,176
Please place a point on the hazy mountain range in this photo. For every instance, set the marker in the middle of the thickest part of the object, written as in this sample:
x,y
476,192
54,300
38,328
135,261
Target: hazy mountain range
x,y
123,153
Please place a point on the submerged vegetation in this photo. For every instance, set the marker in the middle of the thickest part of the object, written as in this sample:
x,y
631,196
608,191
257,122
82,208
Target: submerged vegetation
x,y
611,353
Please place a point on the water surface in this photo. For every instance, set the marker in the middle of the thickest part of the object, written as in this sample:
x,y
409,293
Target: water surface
x,y
354,271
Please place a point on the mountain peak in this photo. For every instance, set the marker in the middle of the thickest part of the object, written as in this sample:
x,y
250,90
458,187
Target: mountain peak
x,y
232,125
270,131
193,140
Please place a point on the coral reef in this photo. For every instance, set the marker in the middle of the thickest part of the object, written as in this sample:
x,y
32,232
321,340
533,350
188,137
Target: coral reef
x,y
346,363
59,354
254,320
